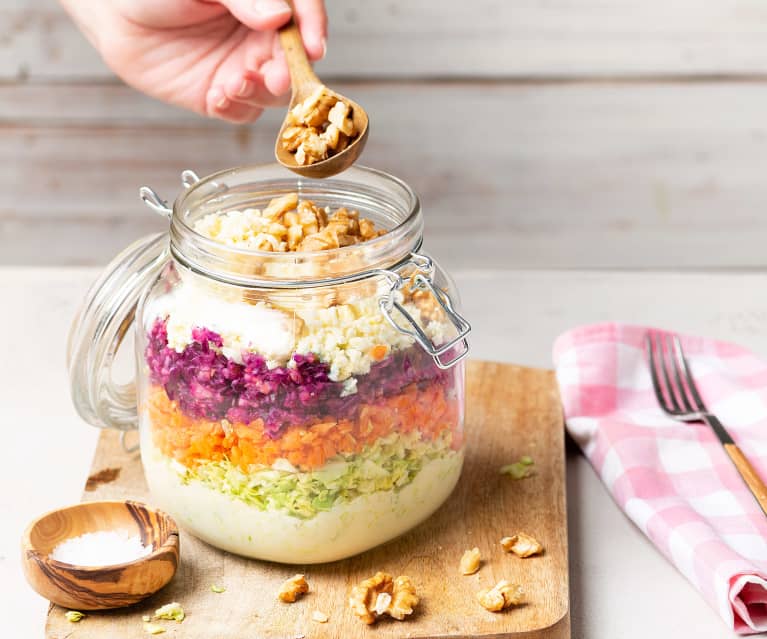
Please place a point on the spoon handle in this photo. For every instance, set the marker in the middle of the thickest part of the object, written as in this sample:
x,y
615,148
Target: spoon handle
x,y
302,76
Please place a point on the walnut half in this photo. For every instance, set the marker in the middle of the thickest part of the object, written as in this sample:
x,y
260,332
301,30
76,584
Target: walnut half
x,y
522,545
403,599
293,588
381,595
470,562
501,596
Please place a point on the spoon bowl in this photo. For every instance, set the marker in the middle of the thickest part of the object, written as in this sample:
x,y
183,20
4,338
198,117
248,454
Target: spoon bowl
x,y
100,587
304,83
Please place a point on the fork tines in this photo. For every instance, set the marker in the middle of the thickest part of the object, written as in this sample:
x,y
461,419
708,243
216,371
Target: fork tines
x,y
673,383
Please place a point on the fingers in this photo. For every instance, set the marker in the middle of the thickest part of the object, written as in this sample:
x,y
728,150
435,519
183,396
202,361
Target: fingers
x,y
277,79
220,106
253,89
260,15
313,22
268,15
249,79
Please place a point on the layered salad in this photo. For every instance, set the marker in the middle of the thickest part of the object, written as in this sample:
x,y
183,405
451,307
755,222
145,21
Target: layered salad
x,y
292,429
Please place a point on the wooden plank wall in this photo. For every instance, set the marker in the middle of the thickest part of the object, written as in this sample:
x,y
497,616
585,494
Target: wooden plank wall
x,y
561,133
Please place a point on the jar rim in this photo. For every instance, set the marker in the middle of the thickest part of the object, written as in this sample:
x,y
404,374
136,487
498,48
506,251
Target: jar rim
x,y
196,250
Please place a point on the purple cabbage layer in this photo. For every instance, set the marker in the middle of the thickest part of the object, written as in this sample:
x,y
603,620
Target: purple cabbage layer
x,y
206,384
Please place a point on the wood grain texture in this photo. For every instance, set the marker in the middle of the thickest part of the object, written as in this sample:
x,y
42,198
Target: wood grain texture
x,y
484,38
511,412
99,587
619,175
755,483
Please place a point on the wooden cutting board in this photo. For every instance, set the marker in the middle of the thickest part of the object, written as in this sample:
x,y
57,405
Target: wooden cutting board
x,y
511,412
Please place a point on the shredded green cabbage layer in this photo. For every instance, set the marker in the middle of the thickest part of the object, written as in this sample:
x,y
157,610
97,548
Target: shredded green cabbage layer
x,y
389,464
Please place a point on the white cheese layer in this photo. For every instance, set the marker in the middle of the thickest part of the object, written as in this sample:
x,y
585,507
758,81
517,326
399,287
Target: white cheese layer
x,y
347,337
242,326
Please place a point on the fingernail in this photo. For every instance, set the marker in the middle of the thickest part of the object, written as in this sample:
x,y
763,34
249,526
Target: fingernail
x,y
223,103
324,48
246,89
270,7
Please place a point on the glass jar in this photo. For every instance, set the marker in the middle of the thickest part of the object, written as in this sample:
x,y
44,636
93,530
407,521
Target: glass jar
x,y
298,407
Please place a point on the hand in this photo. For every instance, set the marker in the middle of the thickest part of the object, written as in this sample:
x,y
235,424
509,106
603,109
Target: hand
x,y
220,58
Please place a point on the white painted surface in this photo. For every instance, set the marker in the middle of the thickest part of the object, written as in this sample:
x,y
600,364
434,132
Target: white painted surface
x,y
621,587
560,176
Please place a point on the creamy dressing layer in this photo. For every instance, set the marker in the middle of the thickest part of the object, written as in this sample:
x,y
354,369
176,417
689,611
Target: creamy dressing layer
x,y
345,530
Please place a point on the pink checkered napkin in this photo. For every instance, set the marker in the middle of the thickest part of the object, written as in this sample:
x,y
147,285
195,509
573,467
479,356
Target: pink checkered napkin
x,y
674,480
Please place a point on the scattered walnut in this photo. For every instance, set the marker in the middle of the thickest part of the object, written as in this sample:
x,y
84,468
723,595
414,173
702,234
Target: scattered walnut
x,y
318,128
293,588
319,617
522,545
380,595
364,596
403,599
470,562
503,595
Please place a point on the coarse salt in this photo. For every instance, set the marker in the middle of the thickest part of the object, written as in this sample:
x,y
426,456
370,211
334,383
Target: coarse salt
x,y
102,548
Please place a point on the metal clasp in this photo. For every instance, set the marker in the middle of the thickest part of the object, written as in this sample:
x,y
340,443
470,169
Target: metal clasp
x,y
423,281
152,199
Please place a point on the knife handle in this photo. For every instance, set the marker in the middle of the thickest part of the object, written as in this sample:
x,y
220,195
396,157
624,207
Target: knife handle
x,y
747,472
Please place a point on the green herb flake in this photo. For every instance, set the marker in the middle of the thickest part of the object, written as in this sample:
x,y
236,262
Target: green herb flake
x,y
217,589
153,628
519,469
172,612
146,618
73,616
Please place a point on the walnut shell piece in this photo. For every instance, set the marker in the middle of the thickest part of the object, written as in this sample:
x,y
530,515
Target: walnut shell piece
x,y
293,588
522,545
470,562
501,596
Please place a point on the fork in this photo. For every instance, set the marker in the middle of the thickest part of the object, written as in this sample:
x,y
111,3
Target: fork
x,y
679,398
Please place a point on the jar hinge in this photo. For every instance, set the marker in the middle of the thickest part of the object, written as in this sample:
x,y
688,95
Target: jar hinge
x,y
423,281
152,199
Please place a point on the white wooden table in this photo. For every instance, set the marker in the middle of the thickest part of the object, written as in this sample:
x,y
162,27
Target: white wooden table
x,y
621,587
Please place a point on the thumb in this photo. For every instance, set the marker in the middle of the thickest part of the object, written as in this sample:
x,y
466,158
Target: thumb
x,y
260,15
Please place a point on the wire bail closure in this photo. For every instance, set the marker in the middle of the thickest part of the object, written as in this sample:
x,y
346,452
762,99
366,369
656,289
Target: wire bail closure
x,y
152,199
423,281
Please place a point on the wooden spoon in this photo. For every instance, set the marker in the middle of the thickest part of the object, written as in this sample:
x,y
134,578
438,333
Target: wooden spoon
x,y
304,82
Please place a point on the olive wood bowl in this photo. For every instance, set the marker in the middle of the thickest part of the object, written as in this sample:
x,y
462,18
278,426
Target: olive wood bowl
x,y
100,587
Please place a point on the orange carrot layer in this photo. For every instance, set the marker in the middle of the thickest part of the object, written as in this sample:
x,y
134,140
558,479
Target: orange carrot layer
x,y
190,440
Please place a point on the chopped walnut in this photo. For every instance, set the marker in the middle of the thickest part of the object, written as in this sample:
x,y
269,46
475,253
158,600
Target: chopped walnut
x,y
293,588
522,545
423,298
503,595
288,224
318,128
470,562
380,595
